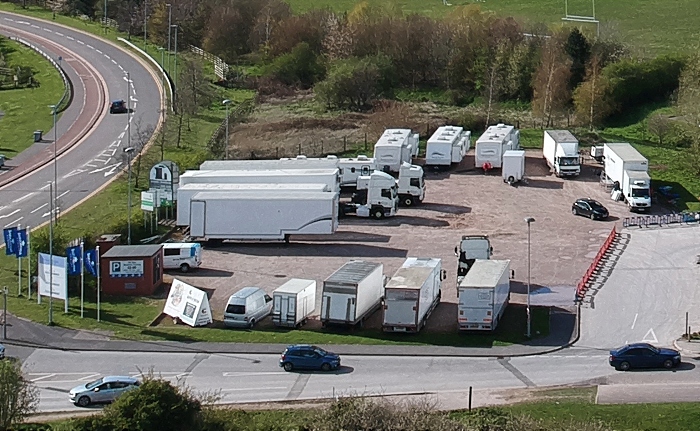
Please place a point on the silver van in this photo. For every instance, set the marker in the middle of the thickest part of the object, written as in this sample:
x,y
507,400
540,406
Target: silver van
x,y
246,307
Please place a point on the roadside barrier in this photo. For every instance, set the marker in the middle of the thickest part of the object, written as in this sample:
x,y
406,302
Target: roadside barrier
x,y
660,220
583,284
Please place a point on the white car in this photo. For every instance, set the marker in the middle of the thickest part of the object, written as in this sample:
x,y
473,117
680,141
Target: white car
x,y
103,390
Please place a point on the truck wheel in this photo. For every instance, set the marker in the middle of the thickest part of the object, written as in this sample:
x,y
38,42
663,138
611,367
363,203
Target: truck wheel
x,y
511,179
408,201
184,267
378,213
288,366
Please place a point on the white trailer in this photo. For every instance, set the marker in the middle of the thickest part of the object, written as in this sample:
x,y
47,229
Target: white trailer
x,y
496,140
513,169
293,302
186,192
330,177
394,147
412,294
298,162
483,295
471,248
627,169
448,145
352,293
560,150
254,215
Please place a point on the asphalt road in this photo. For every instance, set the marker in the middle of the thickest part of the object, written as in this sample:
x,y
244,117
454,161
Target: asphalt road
x,y
89,165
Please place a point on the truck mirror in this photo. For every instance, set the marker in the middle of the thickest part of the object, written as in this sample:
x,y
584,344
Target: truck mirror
x,y
491,250
443,275
512,274
456,253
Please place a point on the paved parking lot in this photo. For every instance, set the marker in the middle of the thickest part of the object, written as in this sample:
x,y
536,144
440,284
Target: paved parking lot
x,y
462,201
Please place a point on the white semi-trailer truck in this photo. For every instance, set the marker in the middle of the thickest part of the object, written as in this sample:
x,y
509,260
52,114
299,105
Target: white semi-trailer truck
x,y
628,171
412,294
448,145
560,150
330,177
352,293
483,295
496,140
395,147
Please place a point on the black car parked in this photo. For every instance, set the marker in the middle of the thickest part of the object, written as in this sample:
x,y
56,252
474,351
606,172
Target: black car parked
x,y
589,208
643,355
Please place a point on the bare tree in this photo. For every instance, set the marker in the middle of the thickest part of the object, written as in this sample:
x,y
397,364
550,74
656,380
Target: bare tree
x,y
591,98
660,126
18,397
551,92
139,143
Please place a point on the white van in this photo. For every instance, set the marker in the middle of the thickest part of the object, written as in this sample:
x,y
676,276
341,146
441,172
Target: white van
x,y
246,307
182,255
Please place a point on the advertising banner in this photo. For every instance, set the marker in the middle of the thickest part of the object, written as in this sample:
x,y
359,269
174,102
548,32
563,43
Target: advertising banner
x,y
59,290
188,304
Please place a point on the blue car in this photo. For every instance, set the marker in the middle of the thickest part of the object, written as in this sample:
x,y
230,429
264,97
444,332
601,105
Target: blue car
x,y
643,355
307,357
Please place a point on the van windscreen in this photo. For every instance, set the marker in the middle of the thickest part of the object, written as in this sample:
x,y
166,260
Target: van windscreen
x,y
235,309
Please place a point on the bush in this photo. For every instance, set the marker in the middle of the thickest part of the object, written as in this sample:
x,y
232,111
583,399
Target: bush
x,y
355,82
299,67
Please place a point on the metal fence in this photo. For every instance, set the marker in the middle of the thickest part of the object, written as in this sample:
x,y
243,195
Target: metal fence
x,y
220,66
661,220
310,148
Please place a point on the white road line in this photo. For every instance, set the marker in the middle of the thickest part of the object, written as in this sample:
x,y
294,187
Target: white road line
x,y
103,161
261,373
90,46
45,187
23,197
635,320
121,135
89,165
81,42
113,61
3,207
47,29
272,388
33,211
120,66
63,194
10,214
107,57
69,38
90,377
14,222
34,26
59,34
47,376
8,19
98,51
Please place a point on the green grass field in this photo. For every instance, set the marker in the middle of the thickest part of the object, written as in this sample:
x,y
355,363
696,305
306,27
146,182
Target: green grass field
x,y
650,26
26,109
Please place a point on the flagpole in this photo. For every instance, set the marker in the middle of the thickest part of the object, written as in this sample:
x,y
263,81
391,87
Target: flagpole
x,y
97,267
82,280
19,263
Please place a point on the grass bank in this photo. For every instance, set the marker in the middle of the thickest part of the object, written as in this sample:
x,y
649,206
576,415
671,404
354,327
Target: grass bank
x,y
27,109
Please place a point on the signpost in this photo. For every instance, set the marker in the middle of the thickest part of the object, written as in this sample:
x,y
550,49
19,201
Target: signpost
x,y
165,177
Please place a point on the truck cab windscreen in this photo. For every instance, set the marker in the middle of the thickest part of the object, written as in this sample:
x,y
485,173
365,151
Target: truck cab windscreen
x,y
640,193
569,161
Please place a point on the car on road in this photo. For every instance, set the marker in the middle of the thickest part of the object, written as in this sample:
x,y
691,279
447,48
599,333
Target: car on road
x,y
103,390
643,355
2,351
308,357
118,107
589,208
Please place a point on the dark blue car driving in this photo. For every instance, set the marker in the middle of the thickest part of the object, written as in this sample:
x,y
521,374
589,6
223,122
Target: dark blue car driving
x,y
307,357
643,355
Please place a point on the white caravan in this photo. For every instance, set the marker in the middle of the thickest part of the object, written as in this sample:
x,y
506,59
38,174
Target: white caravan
x,y
448,145
496,140
394,147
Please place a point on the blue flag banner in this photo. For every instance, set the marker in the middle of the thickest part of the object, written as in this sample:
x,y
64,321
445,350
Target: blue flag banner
x,y
10,235
91,262
73,257
22,245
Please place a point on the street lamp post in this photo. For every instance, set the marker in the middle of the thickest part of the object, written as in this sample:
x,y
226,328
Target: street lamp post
x,y
54,108
145,23
528,220
105,17
226,103
175,64
170,18
50,255
129,151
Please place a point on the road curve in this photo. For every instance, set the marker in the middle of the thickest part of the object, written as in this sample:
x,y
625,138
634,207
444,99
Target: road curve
x,y
87,166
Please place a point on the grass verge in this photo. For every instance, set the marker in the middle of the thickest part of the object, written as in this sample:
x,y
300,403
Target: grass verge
x,y
26,109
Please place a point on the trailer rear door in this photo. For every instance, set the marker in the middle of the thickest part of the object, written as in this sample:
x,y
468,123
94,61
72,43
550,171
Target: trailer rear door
x,y
197,218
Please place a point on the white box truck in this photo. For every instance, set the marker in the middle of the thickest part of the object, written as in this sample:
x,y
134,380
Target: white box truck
x,y
483,295
469,249
293,302
352,293
330,177
448,145
496,140
394,147
185,193
254,215
298,162
412,294
513,169
628,171
560,150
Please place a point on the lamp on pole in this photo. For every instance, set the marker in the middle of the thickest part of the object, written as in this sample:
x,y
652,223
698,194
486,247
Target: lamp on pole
x,y
129,151
54,109
175,26
50,255
226,103
105,17
528,220
145,23
170,18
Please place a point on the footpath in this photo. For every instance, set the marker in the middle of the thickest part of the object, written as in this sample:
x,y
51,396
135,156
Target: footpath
x,y
25,333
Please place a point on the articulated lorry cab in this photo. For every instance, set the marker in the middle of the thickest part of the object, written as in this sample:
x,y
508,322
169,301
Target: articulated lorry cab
x,y
471,248
376,196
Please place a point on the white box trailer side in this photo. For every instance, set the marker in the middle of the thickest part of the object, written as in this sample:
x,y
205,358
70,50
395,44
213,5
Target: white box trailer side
x,y
483,295
412,294
299,162
331,177
186,192
560,150
256,215
293,302
352,293
623,162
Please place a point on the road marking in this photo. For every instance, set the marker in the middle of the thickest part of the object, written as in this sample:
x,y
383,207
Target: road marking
x,y
69,38
23,197
115,144
261,373
45,187
32,212
98,51
113,61
274,388
90,46
102,161
653,337
113,170
81,42
34,26
49,213
59,34
46,29
635,320
107,57
63,194
120,66
3,207
74,172
44,376
121,135
114,166
10,214
90,377
14,222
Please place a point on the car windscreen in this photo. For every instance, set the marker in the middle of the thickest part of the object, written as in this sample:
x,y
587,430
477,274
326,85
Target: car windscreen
x,y
235,309
94,384
320,351
640,193
596,205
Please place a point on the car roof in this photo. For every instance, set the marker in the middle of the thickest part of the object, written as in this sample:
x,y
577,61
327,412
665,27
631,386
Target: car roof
x,y
636,346
118,101
108,379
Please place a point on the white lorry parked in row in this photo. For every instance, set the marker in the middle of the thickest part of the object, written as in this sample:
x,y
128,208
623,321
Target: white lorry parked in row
x,y
329,177
627,170
448,145
377,196
496,140
483,295
352,293
412,294
469,249
560,150
395,147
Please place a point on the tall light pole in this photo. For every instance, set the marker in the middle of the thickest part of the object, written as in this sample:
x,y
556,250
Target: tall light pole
x,y
129,151
170,18
50,255
54,108
226,103
105,17
528,220
175,26
145,22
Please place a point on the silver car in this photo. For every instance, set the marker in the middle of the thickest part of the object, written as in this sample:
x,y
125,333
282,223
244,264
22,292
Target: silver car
x,y
102,390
